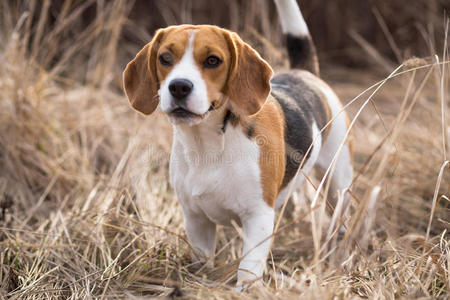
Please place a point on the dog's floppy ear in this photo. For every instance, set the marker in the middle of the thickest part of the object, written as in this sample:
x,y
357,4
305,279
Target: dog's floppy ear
x,y
249,76
139,78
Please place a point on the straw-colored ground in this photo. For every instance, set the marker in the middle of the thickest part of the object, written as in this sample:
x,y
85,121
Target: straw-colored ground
x,y
87,210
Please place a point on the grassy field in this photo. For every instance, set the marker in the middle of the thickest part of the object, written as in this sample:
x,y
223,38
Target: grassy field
x,y
86,210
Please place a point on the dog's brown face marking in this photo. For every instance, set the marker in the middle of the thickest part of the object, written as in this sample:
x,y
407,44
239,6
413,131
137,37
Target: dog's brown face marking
x,y
170,50
210,44
210,51
229,68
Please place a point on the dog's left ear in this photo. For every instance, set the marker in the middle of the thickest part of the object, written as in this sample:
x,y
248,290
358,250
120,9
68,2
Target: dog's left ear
x,y
139,78
248,84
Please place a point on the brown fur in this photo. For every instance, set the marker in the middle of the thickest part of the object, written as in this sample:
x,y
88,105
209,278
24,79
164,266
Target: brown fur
x,y
267,127
248,83
209,40
269,133
243,77
139,78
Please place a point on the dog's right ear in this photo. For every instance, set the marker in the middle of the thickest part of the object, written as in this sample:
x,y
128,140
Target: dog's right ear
x,y
140,80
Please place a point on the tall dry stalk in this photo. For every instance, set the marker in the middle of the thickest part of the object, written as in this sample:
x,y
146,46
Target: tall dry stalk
x,y
86,210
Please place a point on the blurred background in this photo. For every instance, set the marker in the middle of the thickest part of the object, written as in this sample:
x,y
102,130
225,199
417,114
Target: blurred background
x,y
86,209
396,29
345,31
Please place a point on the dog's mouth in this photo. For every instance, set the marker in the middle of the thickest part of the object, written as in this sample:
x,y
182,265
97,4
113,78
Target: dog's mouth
x,y
181,113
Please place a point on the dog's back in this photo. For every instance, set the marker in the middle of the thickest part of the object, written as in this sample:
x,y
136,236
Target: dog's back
x,y
308,104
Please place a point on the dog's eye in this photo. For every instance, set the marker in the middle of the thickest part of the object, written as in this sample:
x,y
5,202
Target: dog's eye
x,y
166,59
212,62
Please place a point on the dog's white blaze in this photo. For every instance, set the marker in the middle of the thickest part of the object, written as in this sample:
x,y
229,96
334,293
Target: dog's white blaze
x,y
197,102
291,18
217,180
306,169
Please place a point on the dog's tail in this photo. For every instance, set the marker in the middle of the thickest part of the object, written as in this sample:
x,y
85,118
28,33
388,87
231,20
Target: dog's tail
x,y
300,46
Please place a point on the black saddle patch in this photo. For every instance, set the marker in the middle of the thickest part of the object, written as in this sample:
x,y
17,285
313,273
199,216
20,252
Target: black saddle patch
x,y
301,107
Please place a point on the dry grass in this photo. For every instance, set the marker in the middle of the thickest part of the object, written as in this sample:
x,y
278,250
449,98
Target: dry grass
x,y
87,211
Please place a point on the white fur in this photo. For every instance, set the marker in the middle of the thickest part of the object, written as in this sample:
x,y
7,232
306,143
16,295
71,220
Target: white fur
x,y
257,228
216,175
291,18
217,179
197,101
342,176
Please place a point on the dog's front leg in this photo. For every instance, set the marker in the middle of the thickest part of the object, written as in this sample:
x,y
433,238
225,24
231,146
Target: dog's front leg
x,y
257,230
201,233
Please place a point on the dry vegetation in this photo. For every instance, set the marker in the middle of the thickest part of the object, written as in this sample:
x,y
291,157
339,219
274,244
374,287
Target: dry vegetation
x,y
86,208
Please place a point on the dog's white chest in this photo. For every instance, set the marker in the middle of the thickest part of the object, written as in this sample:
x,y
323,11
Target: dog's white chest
x,y
218,176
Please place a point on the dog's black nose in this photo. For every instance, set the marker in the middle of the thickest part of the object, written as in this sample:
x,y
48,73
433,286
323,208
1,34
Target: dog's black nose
x,y
180,88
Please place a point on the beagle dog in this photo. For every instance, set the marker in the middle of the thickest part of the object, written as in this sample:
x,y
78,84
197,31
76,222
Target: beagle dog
x,y
240,133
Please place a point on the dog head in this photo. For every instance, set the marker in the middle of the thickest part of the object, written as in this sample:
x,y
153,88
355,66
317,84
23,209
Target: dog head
x,y
192,70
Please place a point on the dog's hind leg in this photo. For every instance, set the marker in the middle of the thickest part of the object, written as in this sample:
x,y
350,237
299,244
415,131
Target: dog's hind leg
x,y
340,179
342,175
